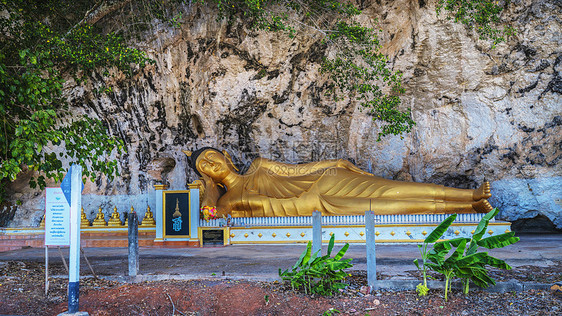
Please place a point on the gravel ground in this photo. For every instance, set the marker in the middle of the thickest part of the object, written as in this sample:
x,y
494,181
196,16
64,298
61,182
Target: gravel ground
x,y
22,293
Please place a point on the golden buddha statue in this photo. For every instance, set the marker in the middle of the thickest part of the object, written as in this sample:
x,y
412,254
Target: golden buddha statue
x,y
115,220
100,219
334,187
148,219
84,222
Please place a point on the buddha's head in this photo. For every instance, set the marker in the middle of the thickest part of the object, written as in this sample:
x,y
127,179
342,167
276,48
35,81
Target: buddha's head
x,y
212,163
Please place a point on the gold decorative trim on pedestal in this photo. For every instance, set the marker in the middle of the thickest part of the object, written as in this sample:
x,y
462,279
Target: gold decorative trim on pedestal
x,y
160,187
273,235
490,232
232,235
408,233
424,233
288,234
361,234
457,232
246,235
346,234
378,233
259,235
303,234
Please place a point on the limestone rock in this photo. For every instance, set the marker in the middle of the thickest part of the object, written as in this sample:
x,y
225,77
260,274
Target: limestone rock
x,y
481,113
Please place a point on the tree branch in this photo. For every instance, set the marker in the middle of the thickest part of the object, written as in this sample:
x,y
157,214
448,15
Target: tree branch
x,y
100,10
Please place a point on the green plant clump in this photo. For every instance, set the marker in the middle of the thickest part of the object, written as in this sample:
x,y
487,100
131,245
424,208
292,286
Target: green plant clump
x,y
316,274
465,262
481,15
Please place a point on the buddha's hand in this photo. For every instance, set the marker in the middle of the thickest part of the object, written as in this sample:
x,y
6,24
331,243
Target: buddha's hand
x,y
351,167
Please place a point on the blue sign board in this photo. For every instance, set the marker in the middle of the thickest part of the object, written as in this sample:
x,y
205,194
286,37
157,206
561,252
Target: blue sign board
x,y
66,187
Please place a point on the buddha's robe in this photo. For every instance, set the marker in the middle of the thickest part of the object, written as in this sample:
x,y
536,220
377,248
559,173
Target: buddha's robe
x,y
276,189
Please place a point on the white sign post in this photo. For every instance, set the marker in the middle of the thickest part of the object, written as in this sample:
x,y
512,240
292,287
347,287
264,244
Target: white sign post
x,y
75,188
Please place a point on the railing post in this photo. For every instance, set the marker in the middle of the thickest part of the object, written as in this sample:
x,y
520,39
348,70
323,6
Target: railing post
x,y
133,231
370,243
316,231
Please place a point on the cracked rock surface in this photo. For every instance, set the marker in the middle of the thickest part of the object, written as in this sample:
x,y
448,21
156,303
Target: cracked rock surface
x,y
481,113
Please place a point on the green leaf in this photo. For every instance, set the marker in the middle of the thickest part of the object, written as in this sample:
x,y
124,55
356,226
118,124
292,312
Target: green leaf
x,y
331,244
341,253
481,228
306,257
497,263
440,229
472,259
498,241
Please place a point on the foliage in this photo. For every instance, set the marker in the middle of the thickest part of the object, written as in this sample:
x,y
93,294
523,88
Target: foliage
x,y
424,251
317,274
37,131
422,289
358,68
331,311
465,262
477,273
480,15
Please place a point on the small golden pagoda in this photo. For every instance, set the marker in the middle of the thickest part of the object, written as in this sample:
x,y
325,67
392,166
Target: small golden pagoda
x,y
148,219
115,220
100,219
42,224
84,222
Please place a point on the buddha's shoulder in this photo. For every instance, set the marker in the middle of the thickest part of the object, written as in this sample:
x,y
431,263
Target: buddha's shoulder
x,y
261,163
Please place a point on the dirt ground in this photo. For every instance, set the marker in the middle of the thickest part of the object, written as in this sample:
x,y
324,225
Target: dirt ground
x,y
22,293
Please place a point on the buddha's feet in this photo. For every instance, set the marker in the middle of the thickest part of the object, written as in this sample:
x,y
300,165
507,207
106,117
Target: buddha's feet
x,y
482,206
483,192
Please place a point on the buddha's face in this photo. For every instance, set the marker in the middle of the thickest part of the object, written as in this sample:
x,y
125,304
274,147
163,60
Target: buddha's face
x,y
213,164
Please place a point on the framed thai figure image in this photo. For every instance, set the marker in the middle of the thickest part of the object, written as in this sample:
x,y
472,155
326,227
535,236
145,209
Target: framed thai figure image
x,y
176,214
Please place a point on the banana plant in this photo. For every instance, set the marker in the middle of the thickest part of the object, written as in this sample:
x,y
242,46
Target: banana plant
x,y
424,251
478,274
316,273
466,262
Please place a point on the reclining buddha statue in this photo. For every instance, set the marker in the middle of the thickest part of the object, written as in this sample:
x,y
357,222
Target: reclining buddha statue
x,y
334,187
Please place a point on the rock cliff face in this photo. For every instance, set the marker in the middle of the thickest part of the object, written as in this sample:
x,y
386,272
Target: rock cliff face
x,y
481,113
